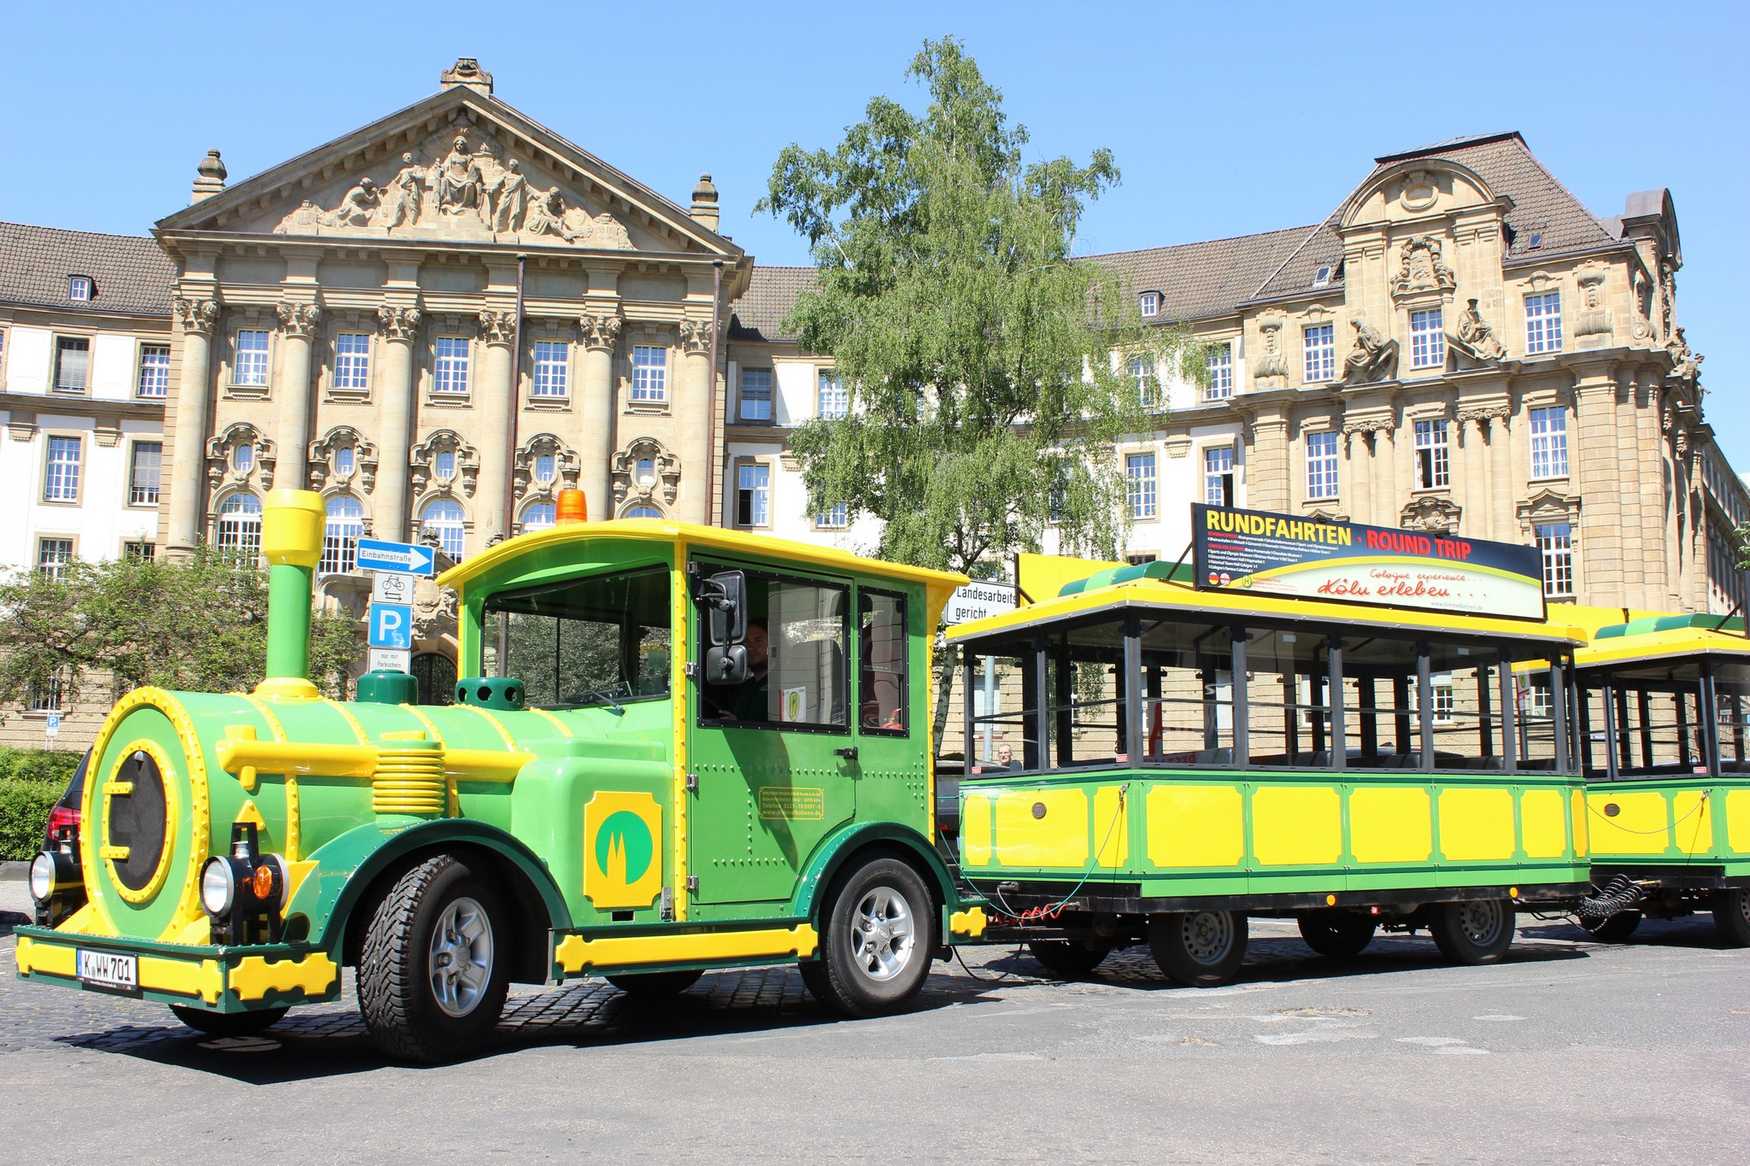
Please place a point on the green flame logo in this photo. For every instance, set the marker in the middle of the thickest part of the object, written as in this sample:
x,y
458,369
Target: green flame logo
x,y
623,847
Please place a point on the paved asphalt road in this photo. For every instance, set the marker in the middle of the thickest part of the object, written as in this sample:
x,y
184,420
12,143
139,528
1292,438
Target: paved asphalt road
x,y
1570,1052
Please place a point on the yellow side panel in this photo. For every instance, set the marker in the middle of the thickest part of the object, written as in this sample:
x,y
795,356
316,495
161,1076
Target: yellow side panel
x,y
975,830
1393,824
1297,825
1629,822
1543,829
1197,825
1476,824
574,953
1058,836
1582,828
1692,822
1111,827
1738,821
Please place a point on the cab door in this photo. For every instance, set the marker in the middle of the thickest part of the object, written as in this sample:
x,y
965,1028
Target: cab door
x,y
774,756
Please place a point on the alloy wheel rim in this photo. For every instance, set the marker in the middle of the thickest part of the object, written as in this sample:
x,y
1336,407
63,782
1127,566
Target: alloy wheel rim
x,y
883,938
1480,922
460,963
1209,935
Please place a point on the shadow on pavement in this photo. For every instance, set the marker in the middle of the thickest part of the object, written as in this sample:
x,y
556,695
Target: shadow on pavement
x,y
1689,931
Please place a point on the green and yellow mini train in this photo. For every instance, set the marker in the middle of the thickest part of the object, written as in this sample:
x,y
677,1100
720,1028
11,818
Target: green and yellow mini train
x,y
679,748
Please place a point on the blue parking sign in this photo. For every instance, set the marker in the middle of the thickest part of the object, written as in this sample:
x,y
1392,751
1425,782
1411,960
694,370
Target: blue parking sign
x,y
391,625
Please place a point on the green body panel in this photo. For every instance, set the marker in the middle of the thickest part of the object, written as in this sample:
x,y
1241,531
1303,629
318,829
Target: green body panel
x,y
1246,855
1673,824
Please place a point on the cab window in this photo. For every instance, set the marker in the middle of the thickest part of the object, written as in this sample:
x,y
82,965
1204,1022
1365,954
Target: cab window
x,y
600,640
798,672
882,645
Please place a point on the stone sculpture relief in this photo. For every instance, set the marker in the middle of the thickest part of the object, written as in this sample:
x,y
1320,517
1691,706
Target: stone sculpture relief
x,y
1270,370
1685,361
221,453
197,316
645,472
1432,514
1594,318
1421,269
469,192
1475,340
324,457
1373,358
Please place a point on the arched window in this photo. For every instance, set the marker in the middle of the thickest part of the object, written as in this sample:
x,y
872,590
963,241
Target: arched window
x,y
340,537
642,512
537,516
239,527
443,517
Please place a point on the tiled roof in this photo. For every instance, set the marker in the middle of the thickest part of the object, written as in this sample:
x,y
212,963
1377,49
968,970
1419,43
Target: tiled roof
x,y
133,276
771,293
1199,280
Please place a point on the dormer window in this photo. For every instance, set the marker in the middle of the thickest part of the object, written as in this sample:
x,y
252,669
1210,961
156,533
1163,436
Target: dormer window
x,y
1322,277
80,288
1149,303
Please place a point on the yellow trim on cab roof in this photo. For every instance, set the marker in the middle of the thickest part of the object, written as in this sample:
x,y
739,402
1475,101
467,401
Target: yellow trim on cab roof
x,y
1161,593
713,537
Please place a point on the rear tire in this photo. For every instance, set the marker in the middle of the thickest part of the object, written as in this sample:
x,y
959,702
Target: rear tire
x,y
877,936
1200,949
1477,931
1616,929
1732,916
654,985
1338,935
431,975
1067,959
229,1023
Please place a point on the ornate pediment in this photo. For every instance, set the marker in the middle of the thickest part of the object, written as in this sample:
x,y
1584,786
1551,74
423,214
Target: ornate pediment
x,y
1431,513
1421,268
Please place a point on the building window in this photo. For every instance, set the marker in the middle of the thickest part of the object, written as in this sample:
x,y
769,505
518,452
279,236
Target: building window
x,y
449,370
1543,323
239,528
1139,484
1549,442
1319,343
832,401
143,551
443,465
1444,703
756,394
1427,339
753,488
154,384
1142,375
143,473
538,516
251,358
46,698
1321,466
1218,475
649,373
443,517
552,370
1555,542
642,512
1219,361
345,459
352,362
79,287
546,468
61,474
1149,303
243,458
1141,557
834,517
53,555
340,537
1433,462
72,363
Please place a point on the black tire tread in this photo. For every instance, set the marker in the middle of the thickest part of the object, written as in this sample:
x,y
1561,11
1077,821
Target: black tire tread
x,y
1457,947
1336,934
827,983
1067,959
1729,922
1616,929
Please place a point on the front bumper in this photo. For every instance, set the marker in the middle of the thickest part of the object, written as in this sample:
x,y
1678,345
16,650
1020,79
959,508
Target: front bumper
x,y
221,979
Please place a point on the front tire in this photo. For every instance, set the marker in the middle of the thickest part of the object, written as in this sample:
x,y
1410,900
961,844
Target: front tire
x,y
1477,931
1067,960
1200,949
229,1023
877,936
1732,916
431,976
1337,934
1615,929
654,985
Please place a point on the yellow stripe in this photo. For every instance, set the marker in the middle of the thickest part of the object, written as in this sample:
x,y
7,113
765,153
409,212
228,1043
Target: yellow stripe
x,y
455,806
352,722
294,816
577,954
557,723
503,733
678,687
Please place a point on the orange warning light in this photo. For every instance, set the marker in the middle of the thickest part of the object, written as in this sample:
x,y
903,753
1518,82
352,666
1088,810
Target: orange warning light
x,y
570,507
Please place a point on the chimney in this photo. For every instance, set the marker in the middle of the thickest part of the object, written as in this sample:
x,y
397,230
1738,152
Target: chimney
x,y
467,72
209,178
705,203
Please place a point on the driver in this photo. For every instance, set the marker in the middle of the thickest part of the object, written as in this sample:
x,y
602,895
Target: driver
x,y
751,700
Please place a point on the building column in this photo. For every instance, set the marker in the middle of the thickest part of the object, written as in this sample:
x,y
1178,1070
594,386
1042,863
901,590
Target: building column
x,y
1473,489
187,492
1267,471
1385,475
399,328
495,403
1597,477
1503,513
692,411
1354,489
601,333
298,325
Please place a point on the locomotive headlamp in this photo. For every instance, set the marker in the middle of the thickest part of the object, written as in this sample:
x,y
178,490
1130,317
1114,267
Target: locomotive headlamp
x,y
56,884
219,884
243,888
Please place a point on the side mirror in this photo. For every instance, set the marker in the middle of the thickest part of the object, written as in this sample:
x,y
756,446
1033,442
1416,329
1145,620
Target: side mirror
x,y
726,664
725,598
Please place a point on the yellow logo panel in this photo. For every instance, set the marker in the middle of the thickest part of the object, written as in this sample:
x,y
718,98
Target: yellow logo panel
x,y
622,849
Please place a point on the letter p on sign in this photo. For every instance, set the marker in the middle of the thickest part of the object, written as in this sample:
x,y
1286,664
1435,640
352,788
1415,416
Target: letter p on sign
x,y
391,626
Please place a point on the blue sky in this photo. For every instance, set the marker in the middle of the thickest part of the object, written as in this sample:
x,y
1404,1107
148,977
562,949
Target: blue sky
x,y
1225,119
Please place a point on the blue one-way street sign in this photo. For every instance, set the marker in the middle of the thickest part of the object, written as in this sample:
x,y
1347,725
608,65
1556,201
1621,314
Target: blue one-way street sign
x,y
378,554
391,625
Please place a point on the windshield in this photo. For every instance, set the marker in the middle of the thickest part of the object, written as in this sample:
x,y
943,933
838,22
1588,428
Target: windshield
x,y
601,640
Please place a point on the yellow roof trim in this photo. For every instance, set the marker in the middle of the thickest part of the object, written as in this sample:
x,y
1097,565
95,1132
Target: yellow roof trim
x,y
1660,645
713,537
1159,593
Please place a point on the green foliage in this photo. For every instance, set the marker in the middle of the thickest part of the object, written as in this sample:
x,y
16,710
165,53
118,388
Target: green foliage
x,y
51,765
199,624
978,354
24,815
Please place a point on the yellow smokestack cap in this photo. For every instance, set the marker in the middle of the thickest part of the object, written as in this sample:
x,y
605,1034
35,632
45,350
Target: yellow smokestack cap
x,y
291,527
